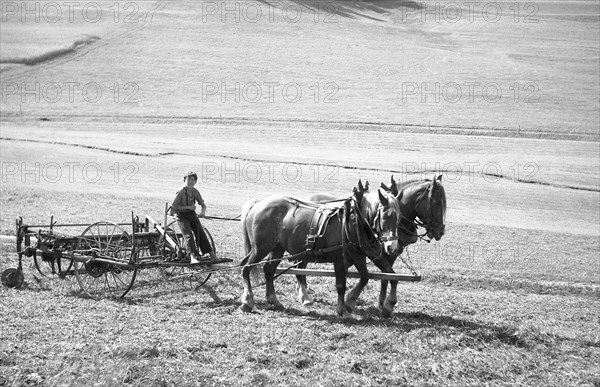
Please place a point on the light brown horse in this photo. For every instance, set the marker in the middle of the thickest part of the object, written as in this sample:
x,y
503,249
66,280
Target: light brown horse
x,y
422,199
278,224
383,263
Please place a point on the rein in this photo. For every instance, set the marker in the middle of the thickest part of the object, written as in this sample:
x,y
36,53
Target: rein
x,y
415,223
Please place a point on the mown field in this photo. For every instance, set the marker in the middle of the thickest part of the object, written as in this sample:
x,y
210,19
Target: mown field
x,y
499,304
510,295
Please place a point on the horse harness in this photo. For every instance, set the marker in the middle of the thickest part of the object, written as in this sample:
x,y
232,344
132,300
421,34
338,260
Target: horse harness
x,y
321,219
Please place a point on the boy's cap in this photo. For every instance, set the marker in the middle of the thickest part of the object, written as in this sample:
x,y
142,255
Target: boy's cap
x,y
190,174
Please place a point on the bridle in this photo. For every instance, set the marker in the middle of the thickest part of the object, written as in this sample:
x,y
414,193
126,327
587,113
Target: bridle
x,y
429,224
378,228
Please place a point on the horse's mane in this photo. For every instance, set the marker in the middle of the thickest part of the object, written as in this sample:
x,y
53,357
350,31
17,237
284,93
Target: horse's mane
x,y
372,198
414,182
410,183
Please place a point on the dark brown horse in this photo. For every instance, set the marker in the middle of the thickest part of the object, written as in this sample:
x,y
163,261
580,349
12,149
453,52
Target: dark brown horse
x,y
422,204
278,224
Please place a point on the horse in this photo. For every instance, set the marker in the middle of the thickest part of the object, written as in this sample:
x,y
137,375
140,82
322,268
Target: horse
x,y
431,214
422,199
384,264
278,224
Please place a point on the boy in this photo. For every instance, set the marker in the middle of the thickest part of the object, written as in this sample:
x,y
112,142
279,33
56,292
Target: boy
x,y
184,209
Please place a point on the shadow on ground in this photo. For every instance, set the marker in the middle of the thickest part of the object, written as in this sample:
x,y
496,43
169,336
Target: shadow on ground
x,y
474,334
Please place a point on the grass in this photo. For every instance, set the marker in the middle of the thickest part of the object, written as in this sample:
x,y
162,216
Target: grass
x,y
438,335
499,305
463,325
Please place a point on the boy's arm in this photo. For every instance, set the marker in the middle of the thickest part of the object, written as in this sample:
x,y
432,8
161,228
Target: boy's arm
x,y
201,202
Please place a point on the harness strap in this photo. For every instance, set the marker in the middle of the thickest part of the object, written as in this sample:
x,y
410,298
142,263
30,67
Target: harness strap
x,y
319,223
302,203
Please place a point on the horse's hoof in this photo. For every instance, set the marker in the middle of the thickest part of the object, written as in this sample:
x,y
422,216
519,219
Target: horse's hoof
x,y
388,309
347,316
307,302
278,307
246,308
350,305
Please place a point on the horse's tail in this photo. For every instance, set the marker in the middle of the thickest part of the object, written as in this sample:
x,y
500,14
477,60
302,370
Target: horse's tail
x,y
245,236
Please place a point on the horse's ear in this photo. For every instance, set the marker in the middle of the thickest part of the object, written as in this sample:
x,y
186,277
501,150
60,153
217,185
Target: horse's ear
x,y
394,189
385,187
360,186
439,178
433,181
383,199
367,185
354,190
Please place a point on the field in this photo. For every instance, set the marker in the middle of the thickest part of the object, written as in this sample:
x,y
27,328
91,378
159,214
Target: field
x,y
102,114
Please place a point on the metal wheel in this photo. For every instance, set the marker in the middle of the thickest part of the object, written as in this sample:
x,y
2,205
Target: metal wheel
x,y
48,265
12,277
57,270
191,277
148,277
45,267
64,266
103,261
210,239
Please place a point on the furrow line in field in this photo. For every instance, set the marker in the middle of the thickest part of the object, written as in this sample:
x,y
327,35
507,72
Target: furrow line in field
x,y
400,172
88,147
342,166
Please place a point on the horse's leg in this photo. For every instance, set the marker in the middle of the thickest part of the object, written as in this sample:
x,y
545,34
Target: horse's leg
x,y
391,300
382,293
384,283
302,287
254,256
361,266
387,305
340,284
269,269
247,296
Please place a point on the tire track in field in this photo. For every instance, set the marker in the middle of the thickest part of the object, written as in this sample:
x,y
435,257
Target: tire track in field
x,y
110,150
399,172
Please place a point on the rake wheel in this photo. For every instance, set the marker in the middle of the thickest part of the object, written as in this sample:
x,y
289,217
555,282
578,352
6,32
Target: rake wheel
x,y
104,265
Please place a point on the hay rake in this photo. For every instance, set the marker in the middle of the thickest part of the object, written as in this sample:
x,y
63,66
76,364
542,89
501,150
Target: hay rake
x,y
106,258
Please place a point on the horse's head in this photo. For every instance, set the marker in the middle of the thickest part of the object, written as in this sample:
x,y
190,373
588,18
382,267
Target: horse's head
x,y
383,213
407,230
431,208
359,227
